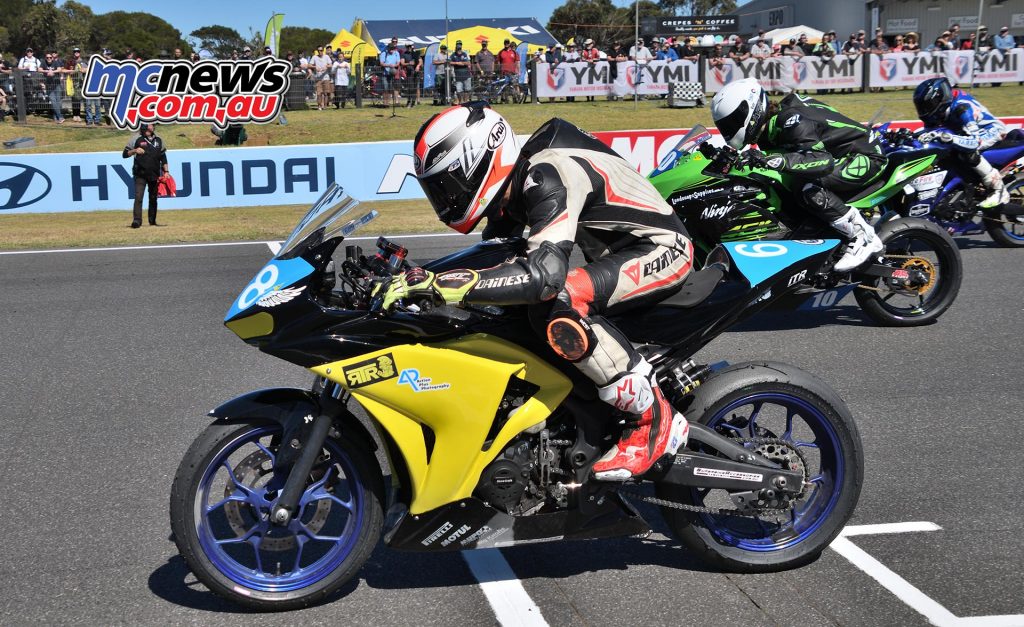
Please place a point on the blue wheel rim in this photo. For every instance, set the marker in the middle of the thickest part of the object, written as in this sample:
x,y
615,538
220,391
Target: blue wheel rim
x,y
314,554
1008,228
810,513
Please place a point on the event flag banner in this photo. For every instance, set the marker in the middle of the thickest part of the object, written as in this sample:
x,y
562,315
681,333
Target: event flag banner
x,y
594,79
961,67
429,69
272,34
267,175
789,73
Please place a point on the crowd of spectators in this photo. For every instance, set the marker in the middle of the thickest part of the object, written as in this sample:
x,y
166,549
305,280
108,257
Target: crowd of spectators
x,y
53,81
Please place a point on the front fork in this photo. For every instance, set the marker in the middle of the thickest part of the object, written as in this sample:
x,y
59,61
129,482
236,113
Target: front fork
x,y
307,443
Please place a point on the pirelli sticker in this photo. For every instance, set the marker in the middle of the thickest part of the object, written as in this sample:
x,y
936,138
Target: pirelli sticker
x,y
371,371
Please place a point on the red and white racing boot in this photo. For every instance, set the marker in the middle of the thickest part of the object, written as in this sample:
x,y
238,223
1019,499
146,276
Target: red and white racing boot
x,y
660,431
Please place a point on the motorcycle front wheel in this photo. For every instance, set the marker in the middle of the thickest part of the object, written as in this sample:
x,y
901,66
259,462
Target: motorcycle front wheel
x,y
1008,230
791,418
914,245
221,498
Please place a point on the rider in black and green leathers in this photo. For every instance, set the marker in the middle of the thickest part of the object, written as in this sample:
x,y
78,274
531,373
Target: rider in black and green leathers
x,y
831,155
836,155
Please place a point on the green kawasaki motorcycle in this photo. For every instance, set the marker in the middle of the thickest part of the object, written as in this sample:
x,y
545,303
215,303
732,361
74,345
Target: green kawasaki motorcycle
x,y
911,282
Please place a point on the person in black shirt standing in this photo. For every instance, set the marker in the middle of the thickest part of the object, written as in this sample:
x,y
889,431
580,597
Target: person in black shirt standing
x,y
150,164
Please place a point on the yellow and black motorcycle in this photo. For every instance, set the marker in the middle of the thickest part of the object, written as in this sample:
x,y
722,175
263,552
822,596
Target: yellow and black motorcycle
x,y
487,436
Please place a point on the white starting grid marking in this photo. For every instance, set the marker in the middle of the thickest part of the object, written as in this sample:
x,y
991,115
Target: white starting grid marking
x,y
918,601
508,599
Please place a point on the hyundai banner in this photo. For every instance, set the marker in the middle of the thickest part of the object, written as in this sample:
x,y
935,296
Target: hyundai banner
x,y
594,79
961,67
279,175
788,73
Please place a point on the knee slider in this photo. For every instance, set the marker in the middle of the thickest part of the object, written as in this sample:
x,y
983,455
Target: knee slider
x,y
548,267
569,334
814,195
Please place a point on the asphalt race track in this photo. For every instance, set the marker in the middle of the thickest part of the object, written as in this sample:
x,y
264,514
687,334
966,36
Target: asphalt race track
x,y
110,359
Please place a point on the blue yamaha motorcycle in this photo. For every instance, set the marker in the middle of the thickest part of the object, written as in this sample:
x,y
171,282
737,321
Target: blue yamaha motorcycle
x,y
943,196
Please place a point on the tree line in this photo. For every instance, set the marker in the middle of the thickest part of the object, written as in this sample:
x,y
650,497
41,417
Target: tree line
x,y
42,25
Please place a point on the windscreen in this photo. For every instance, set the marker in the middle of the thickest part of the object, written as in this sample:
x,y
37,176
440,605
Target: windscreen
x,y
325,218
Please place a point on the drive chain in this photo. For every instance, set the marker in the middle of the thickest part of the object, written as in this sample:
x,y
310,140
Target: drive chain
x,y
653,500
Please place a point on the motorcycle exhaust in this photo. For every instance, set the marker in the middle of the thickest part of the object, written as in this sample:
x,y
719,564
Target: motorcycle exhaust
x,y
1011,209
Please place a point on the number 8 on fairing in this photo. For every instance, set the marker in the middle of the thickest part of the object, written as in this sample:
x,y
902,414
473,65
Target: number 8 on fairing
x,y
262,284
761,249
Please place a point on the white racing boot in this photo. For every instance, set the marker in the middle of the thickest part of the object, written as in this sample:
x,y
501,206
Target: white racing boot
x,y
863,240
993,180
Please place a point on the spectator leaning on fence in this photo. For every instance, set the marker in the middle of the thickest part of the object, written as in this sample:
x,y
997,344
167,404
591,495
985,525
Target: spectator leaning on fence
x,y
740,50
968,44
760,49
75,69
897,44
910,43
53,70
983,41
878,45
954,37
687,52
824,48
1004,40
29,62
639,52
615,54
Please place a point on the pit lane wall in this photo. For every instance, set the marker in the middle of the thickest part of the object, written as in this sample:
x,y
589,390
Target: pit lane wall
x,y
259,176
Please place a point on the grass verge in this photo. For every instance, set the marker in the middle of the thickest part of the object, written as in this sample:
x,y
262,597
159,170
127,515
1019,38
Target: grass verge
x,y
110,228
374,124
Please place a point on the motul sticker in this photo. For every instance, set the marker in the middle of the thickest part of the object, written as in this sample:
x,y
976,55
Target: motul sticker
x,y
728,474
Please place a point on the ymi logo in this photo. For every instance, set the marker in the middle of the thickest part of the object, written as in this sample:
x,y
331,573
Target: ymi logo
x,y
962,65
556,78
799,72
887,69
723,74
218,92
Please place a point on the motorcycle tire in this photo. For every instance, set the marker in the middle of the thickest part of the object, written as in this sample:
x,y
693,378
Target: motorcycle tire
x,y
940,296
749,545
997,227
210,525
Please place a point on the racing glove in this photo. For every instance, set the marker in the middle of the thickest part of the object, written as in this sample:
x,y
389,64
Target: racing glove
x,y
935,136
450,287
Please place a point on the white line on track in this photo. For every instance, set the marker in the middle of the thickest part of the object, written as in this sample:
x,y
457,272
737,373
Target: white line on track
x,y
210,244
508,599
275,247
924,605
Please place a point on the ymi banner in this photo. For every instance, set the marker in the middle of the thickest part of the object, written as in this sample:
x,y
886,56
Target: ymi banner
x,y
594,79
788,73
961,67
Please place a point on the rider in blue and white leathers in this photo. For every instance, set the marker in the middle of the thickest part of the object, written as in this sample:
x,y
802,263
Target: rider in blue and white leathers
x,y
970,128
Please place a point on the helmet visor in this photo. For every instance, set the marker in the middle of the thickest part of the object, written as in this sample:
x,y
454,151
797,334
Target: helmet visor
x,y
733,123
451,192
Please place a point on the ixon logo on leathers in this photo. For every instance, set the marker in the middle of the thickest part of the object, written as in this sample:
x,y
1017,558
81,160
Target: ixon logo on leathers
x,y
217,92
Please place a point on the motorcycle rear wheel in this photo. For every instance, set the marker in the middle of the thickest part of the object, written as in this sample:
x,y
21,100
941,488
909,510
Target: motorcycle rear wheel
x,y
910,241
223,492
765,400
1005,230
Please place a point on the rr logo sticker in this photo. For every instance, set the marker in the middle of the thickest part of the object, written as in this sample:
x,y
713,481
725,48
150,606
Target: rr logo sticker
x,y
370,371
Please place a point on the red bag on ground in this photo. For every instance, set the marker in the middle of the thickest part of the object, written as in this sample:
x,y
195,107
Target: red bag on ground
x,y
166,187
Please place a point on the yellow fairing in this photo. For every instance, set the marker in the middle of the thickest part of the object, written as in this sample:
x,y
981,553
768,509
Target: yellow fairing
x,y
467,379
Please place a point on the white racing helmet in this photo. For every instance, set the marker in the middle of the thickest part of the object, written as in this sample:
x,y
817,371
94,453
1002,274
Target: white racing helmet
x,y
463,158
740,111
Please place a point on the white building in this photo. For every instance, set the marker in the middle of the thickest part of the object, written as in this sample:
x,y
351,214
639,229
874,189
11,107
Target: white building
x,y
928,18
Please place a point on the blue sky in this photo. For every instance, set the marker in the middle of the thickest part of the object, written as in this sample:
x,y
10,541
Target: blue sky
x,y
188,15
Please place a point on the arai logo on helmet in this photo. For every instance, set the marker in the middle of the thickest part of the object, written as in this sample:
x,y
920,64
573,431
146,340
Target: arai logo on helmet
x,y
497,135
